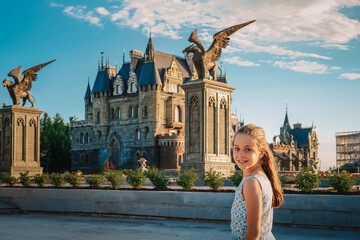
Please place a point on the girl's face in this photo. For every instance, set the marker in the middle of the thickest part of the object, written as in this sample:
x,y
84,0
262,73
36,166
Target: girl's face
x,y
245,152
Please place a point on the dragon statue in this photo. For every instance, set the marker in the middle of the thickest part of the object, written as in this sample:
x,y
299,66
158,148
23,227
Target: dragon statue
x,y
205,61
21,86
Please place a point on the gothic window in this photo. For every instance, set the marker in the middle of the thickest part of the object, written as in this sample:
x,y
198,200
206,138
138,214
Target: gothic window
x,y
133,87
136,111
81,138
98,116
118,90
137,134
223,125
146,132
118,85
177,114
131,112
211,125
118,110
86,138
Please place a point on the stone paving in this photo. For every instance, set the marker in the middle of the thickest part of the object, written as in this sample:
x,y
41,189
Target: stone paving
x,y
36,226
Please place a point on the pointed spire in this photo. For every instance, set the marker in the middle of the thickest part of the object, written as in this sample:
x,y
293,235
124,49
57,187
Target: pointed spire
x,y
88,91
150,50
286,124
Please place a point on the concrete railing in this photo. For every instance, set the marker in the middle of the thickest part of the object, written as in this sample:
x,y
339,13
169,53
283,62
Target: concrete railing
x,y
301,209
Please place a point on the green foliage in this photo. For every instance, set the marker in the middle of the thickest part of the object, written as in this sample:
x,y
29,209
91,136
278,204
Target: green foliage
x,y
187,179
57,179
25,179
307,181
55,144
214,179
95,181
236,177
159,180
136,178
41,179
73,180
115,178
283,180
8,179
342,182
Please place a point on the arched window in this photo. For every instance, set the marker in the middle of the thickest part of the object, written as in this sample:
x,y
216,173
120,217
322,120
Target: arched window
x,y
112,113
133,87
145,111
98,116
146,132
137,134
86,138
136,111
131,111
177,114
118,89
119,113
81,138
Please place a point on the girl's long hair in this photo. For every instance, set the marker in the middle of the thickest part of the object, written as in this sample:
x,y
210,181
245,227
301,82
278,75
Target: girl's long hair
x,y
267,161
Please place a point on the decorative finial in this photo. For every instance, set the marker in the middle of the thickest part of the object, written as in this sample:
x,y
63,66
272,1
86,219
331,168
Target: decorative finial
x,y
102,59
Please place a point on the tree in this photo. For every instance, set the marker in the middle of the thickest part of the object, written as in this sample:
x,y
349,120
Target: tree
x,y
55,144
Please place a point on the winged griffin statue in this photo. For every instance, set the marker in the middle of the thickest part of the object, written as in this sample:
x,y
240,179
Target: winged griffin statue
x,y
205,61
21,86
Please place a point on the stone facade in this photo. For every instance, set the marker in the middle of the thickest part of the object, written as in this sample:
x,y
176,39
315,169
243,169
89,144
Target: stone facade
x,y
207,137
295,147
20,140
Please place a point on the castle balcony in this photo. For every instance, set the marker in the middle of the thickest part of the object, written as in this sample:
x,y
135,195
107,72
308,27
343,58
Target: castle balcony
x,y
82,123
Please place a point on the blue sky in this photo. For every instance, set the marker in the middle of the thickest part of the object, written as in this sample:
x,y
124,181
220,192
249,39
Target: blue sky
x,y
305,53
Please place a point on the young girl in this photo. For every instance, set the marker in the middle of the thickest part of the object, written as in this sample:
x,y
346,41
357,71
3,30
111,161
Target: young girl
x,y
260,190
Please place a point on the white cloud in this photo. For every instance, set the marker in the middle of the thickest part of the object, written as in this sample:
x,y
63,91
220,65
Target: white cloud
x,y
302,66
54,4
335,68
80,13
350,76
236,60
102,11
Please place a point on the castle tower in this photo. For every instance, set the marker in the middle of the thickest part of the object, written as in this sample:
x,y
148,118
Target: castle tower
x,y
88,104
20,140
207,126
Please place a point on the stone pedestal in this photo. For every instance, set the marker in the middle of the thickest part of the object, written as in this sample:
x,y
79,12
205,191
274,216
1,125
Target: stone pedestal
x,y
207,126
20,140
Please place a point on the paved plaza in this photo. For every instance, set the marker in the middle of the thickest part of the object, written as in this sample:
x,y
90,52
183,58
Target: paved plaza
x,y
36,226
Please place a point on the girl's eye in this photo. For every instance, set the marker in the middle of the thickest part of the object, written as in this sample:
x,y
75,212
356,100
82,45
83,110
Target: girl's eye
x,y
236,149
248,149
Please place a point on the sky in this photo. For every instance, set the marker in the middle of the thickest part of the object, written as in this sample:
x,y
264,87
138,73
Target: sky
x,y
301,54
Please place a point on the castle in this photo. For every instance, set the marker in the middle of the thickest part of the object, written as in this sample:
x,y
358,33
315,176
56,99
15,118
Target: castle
x,y
295,147
138,112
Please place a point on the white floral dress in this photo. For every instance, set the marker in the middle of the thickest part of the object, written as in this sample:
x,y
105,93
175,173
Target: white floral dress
x,y
238,211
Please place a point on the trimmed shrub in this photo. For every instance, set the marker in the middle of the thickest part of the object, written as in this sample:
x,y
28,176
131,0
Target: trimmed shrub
x,y
135,178
115,178
236,177
95,181
8,179
57,179
158,179
73,180
25,179
214,179
40,179
187,179
307,181
342,182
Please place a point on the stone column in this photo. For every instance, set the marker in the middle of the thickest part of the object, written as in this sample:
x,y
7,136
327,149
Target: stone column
x,y
20,140
207,138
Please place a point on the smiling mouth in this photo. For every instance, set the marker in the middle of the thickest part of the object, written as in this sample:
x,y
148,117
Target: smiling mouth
x,y
242,161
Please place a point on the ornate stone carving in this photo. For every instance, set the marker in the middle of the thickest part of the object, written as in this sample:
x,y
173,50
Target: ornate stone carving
x,y
205,61
21,86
